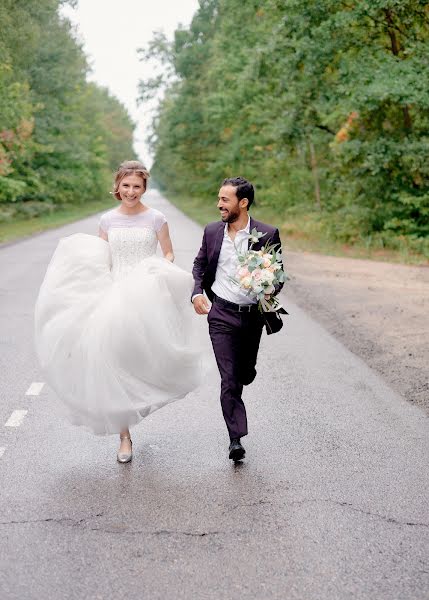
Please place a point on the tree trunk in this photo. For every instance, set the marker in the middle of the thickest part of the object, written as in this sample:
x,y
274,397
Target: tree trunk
x,y
394,43
315,172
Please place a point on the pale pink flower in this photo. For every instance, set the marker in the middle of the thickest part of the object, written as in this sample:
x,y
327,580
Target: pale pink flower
x,y
246,282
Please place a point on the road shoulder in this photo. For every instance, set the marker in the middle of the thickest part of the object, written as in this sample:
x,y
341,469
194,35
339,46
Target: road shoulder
x,y
378,310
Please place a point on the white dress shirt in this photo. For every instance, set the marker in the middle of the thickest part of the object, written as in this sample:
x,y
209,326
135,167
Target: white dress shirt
x,y
228,265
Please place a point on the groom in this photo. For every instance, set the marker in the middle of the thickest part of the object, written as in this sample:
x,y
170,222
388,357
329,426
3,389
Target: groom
x,y
235,323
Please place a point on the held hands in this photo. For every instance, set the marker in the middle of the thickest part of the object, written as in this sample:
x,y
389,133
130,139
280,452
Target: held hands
x,y
201,306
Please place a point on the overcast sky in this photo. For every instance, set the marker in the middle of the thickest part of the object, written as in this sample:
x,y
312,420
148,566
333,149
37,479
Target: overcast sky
x,y
111,31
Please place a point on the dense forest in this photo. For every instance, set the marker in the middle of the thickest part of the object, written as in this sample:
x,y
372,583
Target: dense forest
x,y
323,104
60,136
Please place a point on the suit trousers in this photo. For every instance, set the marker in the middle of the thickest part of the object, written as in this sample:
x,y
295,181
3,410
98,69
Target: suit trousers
x,y
235,338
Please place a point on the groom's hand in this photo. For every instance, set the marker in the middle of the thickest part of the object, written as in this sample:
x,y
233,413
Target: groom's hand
x,y
201,305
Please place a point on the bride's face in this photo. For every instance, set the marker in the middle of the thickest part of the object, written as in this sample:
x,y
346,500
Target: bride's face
x,y
131,189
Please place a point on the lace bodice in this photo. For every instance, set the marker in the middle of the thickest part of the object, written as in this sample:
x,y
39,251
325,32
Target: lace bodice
x,y
132,238
129,246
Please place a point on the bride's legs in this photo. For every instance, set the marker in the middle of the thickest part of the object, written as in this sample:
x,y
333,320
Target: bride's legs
x,y
125,448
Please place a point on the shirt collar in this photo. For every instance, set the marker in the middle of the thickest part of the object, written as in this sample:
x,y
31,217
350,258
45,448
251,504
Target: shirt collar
x,y
246,229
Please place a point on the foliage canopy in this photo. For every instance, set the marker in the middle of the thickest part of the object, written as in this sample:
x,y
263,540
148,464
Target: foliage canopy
x,y
324,104
60,136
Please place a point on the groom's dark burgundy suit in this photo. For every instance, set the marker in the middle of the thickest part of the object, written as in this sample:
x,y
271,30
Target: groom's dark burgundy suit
x,y
235,331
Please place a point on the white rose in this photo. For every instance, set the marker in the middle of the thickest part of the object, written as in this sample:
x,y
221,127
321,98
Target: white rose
x,y
267,276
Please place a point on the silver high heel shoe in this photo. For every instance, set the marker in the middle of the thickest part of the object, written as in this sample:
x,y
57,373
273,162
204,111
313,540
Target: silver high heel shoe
x,y
124,457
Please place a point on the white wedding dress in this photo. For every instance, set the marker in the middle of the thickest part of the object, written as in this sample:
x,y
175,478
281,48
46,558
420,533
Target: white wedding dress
x,y
114,327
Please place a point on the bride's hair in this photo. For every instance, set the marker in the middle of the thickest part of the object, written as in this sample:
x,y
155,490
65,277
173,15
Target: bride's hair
x,y
129,167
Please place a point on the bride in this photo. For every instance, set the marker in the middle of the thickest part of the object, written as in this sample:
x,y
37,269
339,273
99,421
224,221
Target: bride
x,y
114,326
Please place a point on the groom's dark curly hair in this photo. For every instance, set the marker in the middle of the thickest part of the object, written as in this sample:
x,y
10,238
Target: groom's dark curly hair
x,y
244,188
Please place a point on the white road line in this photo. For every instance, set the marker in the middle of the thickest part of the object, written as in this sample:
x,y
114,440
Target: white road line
x,y
34,389
16,418
2,451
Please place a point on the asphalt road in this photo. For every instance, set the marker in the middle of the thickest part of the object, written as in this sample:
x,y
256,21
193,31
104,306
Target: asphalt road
x,y
330,503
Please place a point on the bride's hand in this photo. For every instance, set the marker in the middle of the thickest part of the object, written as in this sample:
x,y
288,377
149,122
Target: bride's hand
x,y
169,256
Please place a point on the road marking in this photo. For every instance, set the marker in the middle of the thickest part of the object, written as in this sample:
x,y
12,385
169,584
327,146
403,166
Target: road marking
x,y
34,389
16,418
2,451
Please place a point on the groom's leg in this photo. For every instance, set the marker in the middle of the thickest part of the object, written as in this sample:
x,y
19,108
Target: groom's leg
x,y
224,329
250,337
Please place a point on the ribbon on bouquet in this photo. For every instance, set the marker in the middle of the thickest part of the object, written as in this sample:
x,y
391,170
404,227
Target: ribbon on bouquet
x,y
269,304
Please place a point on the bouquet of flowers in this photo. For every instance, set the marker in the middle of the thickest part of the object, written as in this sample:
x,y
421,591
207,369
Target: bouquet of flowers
x,y
260,271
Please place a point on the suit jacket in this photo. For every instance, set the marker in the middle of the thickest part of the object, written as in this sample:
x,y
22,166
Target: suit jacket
x,y
205,263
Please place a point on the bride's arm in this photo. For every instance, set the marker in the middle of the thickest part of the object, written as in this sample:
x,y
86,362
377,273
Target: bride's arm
x,y
165,242
102,234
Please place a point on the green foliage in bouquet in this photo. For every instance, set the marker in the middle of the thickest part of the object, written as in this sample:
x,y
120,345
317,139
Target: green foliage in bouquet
x,y
260,271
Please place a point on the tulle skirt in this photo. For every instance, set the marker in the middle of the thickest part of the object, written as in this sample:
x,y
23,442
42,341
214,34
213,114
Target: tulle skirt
x,y
115,351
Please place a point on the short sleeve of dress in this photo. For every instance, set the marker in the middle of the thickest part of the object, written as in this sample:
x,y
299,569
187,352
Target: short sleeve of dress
x,y
104,222
159,220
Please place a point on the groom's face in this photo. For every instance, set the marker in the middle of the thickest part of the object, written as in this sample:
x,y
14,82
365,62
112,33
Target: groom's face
x,y
229,205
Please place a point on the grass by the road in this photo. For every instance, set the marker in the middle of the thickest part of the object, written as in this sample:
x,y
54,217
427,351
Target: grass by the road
x,y
300,233
20,228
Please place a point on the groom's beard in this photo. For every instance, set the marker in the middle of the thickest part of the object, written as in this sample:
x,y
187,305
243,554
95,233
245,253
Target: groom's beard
x,y
231,216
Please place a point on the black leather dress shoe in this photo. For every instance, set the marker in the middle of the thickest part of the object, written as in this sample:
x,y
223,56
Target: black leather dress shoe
x,y
236,450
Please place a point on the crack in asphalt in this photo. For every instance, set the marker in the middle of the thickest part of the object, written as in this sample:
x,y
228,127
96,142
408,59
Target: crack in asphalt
x,y
74,522
188,533
157,532
364,512
121,530
250,504
382,517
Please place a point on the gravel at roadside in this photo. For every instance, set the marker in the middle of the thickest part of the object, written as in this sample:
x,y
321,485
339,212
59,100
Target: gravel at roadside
x,y
380,311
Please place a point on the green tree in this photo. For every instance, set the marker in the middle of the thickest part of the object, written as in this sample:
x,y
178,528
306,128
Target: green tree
x,y
60,136
323,104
